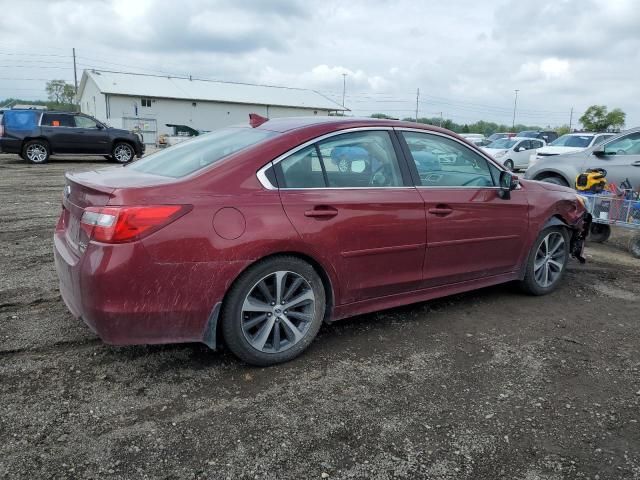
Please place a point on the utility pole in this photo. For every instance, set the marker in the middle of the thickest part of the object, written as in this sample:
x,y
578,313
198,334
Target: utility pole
x,y
75,74
344,87
417,98
570,119
515,104
440,119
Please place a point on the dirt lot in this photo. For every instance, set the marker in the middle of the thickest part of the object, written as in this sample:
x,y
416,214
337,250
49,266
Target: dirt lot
x,y
490,384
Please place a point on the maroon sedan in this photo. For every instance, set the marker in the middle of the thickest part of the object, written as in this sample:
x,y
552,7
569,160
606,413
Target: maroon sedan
x,y
255,235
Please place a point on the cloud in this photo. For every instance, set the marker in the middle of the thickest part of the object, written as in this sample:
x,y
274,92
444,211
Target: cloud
x,y
466,61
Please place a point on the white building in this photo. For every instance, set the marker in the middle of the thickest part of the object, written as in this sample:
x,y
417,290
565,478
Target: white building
x,y
149,102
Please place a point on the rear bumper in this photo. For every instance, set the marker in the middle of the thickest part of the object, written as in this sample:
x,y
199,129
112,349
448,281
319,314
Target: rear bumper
x,y
10,145
126,298
580,233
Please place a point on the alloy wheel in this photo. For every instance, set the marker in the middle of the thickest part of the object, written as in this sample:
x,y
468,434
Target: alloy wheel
x,y
277,312
123,153
36,153
550,259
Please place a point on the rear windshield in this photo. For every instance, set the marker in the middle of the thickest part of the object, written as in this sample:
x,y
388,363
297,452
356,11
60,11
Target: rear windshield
x,y
502,143
528,134
190,156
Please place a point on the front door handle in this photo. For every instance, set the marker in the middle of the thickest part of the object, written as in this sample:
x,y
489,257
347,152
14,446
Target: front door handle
x,y
636,163
321,212
440,210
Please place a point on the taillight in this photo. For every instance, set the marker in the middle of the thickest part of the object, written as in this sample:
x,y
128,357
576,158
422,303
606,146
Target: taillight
x,y
1,130
125,224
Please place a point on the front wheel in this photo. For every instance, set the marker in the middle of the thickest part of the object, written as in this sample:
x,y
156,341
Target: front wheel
x,y
36,151
509,165
547,261
273,311
123,152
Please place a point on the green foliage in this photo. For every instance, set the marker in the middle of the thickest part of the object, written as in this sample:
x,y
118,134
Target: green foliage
x,y
485,128
69,107
60,91
563,130
382,115
596,118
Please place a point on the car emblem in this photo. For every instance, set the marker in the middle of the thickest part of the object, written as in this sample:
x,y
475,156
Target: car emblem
x,y
67,191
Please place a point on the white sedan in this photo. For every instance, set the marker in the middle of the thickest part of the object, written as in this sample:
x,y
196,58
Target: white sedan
x,y
514,152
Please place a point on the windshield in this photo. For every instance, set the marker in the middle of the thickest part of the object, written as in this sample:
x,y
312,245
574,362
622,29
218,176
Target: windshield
x,y
204,150
497,136
503,143
528,134
582,141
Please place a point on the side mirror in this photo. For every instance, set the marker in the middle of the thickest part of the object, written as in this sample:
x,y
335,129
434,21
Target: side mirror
x,y
599,152
520,149
508,182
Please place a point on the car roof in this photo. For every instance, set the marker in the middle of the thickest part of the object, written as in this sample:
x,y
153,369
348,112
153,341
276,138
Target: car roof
x,y
283,125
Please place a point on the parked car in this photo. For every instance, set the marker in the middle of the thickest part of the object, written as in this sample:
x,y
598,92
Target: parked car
x,y
569,143
499,135
36,135
618,155
255,235
514,152
547,135
475,138
180,133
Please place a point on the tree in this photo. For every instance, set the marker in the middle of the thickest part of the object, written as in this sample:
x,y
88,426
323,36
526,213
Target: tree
x,y
598,119
60,91
563,130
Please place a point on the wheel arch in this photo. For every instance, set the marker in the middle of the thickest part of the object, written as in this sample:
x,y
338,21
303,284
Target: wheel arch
x,y
26,140
552,173
213,335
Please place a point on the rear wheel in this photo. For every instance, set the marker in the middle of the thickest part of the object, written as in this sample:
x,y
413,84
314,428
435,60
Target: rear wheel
x,y
36,151
599,232
123,152
273,311
634,246
509,165
547,261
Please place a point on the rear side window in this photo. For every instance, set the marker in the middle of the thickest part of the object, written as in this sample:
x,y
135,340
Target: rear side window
x,y
358,159
57,120
190,156
20,119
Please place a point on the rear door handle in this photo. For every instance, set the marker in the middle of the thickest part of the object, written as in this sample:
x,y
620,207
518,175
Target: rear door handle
x,y
636,163
324,212
440,210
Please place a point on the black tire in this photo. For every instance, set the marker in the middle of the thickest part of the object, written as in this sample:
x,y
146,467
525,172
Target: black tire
x,y
599,232
530,283
233,314
123,152
634,246
556,180
36,151
509,165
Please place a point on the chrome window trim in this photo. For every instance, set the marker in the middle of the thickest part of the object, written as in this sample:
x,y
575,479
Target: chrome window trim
x,y
264,181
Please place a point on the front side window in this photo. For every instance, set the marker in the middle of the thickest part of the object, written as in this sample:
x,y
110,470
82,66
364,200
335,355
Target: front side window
x,y
358,159
627,145
524,145
188,157
601,138
443,162
85,122
502,144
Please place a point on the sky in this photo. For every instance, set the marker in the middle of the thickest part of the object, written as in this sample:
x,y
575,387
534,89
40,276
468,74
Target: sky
x,y
466,57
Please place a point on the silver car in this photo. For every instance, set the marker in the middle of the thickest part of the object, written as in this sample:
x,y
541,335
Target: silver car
x,y
619,156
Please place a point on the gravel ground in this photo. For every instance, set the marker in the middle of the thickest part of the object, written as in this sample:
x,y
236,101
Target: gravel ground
x,y
490,384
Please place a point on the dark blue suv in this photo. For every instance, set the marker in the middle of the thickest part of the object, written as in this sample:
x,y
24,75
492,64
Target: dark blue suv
x,y
36,135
